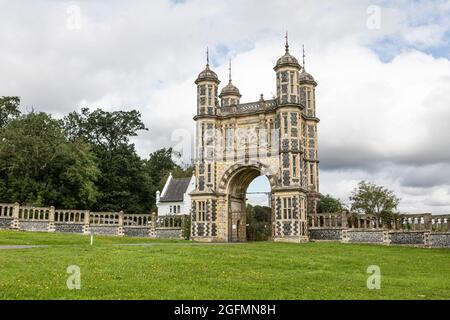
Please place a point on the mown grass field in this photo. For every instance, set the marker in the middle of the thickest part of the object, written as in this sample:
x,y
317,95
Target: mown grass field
x,y
186,270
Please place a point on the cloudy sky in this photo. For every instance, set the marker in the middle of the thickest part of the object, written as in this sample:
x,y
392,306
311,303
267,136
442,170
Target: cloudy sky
x,y
383,70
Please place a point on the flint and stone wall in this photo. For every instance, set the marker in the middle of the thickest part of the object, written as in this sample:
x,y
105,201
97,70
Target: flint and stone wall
x,y
5,223
69,227
41,226
328,234
440,240
422,230
385,237
365,236
415,238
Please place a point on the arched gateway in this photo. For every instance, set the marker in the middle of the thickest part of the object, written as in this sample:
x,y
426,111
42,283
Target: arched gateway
x,y
236,142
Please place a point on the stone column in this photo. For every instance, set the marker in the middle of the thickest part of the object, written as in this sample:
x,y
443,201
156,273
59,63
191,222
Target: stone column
x,y
152,231
344,221
51,220
15,216
120,231
344,236
427,239
386,238
86,227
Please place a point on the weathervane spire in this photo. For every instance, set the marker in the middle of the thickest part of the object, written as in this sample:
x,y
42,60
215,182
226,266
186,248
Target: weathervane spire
x,y
229,71
287,42
207,56
303,46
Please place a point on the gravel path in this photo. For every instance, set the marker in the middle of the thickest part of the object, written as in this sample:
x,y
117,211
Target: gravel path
x,y
180,244
20,247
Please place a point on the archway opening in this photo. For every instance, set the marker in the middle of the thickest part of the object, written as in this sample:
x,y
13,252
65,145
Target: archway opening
x,y
258,210
245,186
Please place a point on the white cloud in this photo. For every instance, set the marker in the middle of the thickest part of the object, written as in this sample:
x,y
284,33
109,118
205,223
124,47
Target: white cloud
x,y
381,121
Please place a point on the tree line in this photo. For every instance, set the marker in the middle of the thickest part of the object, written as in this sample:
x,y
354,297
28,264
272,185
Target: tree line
x,y
84,160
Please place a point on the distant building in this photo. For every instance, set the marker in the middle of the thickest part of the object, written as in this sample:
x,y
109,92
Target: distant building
x,y
174,198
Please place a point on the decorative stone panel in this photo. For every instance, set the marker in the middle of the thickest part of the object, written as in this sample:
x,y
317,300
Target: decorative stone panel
x,y
41,226
278,208
285,145
407,237
168,233
5,223
365,236
294,145
325,234
69,228
286,178
103,230
141,232
440,240
295,208
285,157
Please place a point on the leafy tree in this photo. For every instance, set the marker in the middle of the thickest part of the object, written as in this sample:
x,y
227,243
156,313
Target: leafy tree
x,y
372,199
107,130
159,165
124,183
39,166
329,204
9,109
258,222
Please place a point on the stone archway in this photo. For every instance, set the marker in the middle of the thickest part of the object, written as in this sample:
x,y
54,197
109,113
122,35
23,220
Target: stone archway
x,y
234,184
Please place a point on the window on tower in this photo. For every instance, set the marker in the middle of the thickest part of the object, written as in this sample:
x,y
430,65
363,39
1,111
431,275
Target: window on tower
x,y
201,210
287,208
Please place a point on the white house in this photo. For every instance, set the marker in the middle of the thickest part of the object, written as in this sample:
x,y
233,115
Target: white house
x,y
175,199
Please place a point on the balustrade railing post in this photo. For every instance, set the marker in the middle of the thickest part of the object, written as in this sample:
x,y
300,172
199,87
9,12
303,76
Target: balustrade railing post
x,y
51,220
120,231
87,219
344,222
15,216
152,231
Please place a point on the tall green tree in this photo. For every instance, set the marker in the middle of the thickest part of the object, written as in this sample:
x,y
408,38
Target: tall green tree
x,y
258,222
369,198
124,183
329,204
103,129
39,166
9,109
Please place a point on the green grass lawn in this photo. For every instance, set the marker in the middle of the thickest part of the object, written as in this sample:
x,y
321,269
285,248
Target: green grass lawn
x,y
186,270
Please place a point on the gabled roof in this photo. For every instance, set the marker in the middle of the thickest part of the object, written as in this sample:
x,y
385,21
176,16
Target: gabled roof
x,y
175,190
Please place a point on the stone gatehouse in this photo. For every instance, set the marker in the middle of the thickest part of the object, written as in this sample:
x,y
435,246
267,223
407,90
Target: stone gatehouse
x,y
236,142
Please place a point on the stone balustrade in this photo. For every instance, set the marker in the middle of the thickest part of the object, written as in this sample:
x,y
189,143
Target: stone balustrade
x,y
49,219
423,230
413,222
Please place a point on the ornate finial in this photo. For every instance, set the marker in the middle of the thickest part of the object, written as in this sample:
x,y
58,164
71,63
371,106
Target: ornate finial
x,y
303,57
229,71
207,56
287,42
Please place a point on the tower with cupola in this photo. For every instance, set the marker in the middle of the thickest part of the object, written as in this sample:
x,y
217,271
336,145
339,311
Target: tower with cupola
x,y
307,87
